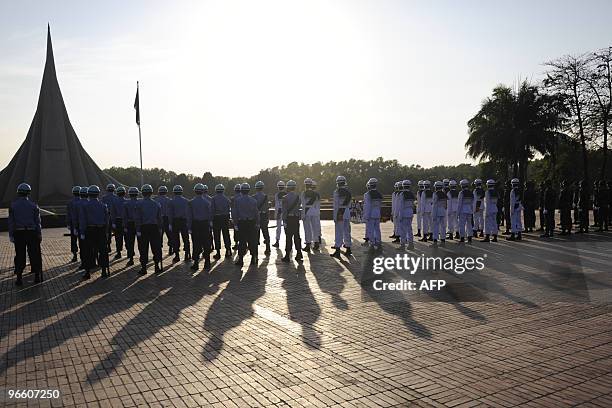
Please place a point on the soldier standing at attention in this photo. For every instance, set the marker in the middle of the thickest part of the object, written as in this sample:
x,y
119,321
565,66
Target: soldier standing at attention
x,y
25,232
426,204
220,209
372,202
199,220
117,219
541,206
278,209
72,221
233,201
129,227
164,201
109,199
149,230
420,189
93,223
550,201
603,205
177,217
316,215
466,209
565,208
479,208
439,208
342,217
516,207
530,199
490,212
310,200
292,210
246,217
263,206
584,205
405,202
82,245
453,205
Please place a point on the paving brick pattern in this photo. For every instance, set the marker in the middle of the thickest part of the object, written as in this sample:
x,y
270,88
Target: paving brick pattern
x,y
534,328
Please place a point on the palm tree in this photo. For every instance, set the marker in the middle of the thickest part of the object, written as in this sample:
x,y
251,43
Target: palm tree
x,y
512,126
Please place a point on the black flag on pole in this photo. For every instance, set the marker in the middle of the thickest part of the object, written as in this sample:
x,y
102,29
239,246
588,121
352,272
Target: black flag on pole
x,y
137,106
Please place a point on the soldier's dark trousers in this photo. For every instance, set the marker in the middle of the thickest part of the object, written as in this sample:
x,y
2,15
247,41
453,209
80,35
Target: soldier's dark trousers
x,y
247,238
263,226
221,226
292,232
566,219
529,217
584,219
576,216
27,240
603,218
179,230
119,234
74,243
82,254
550,222
150,236
109,235
95,238
200,235
508,220
542,219
166,230
130,237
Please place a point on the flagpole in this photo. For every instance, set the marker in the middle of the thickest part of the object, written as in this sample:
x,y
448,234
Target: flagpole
x,y
140,139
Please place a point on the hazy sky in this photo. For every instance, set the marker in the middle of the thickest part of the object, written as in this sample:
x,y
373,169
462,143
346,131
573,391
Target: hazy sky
x,y
235,86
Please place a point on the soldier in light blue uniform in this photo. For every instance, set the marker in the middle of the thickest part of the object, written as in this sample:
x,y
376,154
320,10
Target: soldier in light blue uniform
x,y
310,201
109,199
465,209
246,215
93,225
25,232
117,219
516,210
199,222
372,202
406,209
342,217
211,241
82,252
439,209
177,216
149,230
164,201
234,219
490,212
129,219
220,209
263,206
72,221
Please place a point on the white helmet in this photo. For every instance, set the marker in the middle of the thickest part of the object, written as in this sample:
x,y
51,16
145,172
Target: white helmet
x,y
308,181
426,183
371,183
406,184
464,183
446,182
259,185
314,183
341,180
280,185
490,183
452,183
438,185
477,182
219,188
397,185
291,185
515,182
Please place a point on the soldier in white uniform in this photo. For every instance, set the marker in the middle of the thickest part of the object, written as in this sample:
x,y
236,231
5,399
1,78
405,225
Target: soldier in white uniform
x,y
342,217
316,214
426,200
466,205
372,202
310,200
394,212
453,205
438,213
278,210
419,212
478,208
516,209
405,203
490,211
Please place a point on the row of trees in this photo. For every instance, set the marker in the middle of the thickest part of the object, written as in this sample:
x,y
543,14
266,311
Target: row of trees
x,y
564,117
357,173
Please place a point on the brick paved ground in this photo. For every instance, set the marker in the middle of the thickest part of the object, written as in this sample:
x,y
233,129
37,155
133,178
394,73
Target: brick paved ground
x,y
533,328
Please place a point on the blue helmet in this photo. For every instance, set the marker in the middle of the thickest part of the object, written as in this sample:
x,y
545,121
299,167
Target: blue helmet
x,y
147,189
198,188
219,188
245,187
110,187
133,191
93,190
76,190
178,189
24,188
84,191
162,190
120,190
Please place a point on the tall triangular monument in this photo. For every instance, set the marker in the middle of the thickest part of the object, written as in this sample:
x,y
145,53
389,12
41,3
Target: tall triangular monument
x,y
51,159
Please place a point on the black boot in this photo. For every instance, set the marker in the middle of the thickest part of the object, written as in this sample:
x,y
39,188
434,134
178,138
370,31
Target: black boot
x,y
435,243
118,255
143,270
105,272
486,238
74,258
228,253
217,255
276,244
494,238
207,264
396,240
130,261
86,275
461,239
195,266
286,258
253,261
519,236
176,258
307,248
336,253
187,256
268,250
316,246
418,234
512,237
239,262
37,277
457,235
348,252
19,280
158,267
299,256
469,240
